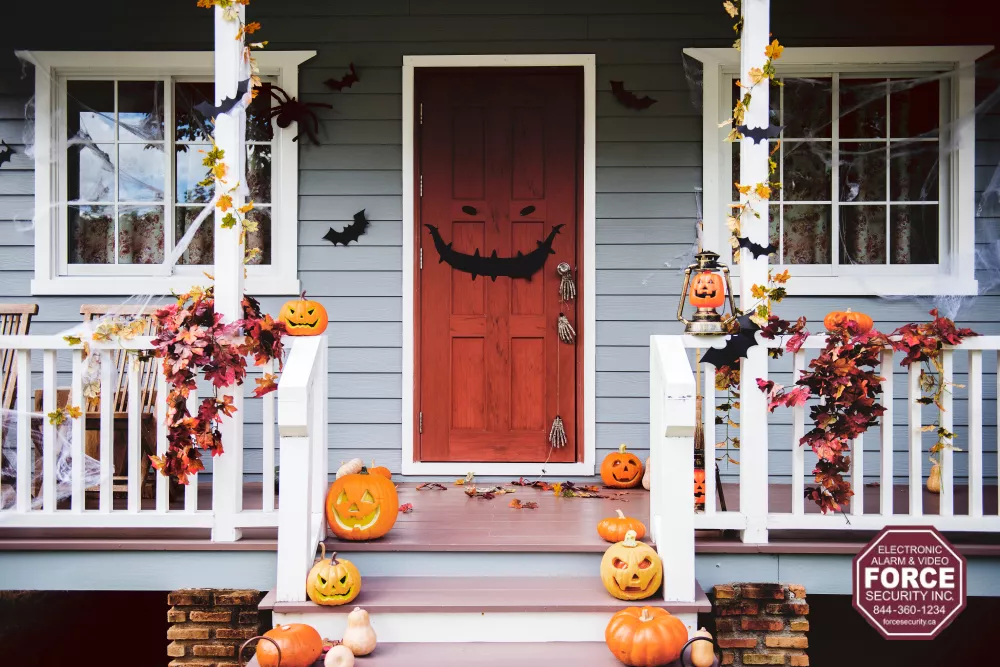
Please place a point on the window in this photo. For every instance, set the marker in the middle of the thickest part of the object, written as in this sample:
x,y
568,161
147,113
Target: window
x,y
117,180
877,190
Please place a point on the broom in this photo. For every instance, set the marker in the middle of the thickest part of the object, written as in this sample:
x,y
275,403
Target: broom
x,y
699,434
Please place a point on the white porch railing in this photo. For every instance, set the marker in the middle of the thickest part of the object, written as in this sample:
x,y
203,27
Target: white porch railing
x,y
52,500
302,424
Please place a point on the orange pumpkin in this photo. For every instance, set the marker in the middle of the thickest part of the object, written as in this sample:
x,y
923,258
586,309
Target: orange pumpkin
x,y
299,644
839,319
707,290
621,469
645,636
614,528
380,470
303,317
361,506
631,570
333,581
699,487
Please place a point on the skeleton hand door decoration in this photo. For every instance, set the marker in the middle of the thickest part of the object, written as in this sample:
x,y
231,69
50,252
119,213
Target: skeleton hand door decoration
x,y
557,434
567,333
567,288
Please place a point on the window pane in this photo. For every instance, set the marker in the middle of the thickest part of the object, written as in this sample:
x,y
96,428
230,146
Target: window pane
x,y
190,172
807,233
140,235
259,173
91,234
261,238
862,234
914,234
862,172
915,108
913,172
806,174
189,125
140,172
862,108
808,106
90,110
90,172
201,249
140,110
259,115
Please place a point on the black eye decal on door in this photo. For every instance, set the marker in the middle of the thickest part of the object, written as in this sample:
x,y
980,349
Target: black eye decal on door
x,y
520,266
527,210
469,210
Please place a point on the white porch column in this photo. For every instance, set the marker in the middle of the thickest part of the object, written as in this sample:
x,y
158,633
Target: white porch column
x,y
753,169
230,133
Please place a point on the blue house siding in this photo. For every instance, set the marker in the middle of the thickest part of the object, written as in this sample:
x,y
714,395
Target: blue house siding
x,y
648,170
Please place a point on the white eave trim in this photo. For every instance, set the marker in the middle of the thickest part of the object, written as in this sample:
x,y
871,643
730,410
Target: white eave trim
x,y
179,62
877,56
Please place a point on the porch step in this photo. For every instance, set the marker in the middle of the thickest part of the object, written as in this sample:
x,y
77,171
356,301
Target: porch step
x,y
479,609
591,654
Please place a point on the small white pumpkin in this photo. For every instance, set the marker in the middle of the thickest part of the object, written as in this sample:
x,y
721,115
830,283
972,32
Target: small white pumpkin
x,y
339,656
359,635
350,468
645,475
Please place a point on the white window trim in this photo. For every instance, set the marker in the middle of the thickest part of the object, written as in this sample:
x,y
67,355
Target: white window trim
x,y
588,291
51,70
956,274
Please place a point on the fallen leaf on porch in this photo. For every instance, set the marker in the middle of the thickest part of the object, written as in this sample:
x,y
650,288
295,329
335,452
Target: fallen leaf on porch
x,y
486,492
571,490
518,505
406,508
431,486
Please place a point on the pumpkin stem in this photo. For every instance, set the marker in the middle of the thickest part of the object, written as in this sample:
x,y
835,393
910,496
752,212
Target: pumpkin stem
x,y
302,296
644,615
333,558
621,514
621,448
322,551
629,540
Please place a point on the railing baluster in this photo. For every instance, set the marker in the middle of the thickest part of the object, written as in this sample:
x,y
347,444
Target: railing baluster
x,y
946,421
914,423
268,444
708,430
858,476
78,432
975,433
998,423
49,450
885,444
25,451
134,434
798,431
162,481
107,429
191,490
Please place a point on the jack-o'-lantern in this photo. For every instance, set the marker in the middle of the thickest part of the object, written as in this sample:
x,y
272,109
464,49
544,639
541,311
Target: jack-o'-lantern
x,y
837,319
707,290
706,287
631,570
304,317
621,469
361,506
645,636
333,581
699,487
298,644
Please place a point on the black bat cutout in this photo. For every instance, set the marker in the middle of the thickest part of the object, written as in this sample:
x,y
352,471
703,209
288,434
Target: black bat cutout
x,y
756,249
291,110
345,81
209,110
629,99
351,232
527,210
521,266
6,153
469,210
736,346
757,134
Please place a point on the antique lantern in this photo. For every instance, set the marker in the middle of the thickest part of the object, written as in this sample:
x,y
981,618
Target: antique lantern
x,y
706,286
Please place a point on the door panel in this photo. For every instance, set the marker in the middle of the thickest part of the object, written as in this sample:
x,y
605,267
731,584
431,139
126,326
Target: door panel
x,y
499,155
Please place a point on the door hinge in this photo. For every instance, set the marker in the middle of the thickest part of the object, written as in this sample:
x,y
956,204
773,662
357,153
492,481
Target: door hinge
x,y
421,185
421,258
421,113
420,424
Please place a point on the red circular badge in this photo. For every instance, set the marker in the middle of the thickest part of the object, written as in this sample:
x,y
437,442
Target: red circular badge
x,y
909,582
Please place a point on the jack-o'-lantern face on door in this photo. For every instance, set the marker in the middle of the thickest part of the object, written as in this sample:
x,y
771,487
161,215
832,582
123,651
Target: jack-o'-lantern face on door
x,y
631,570
699,487
707,290
361,506
621,469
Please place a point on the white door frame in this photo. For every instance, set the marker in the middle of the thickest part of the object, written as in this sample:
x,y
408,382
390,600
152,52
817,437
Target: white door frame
x,y
588,291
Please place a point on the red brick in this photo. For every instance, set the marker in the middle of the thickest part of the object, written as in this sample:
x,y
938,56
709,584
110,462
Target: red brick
x,y
175,615
227,663
190,596
736,608
727,625
800,660
762,591
241,598
235,633
762,624
211,616
724,592
736,642
786,642
248,618
186,632
797,591
728,658
188,662
175,650
763,658
213,650
799,626
788,609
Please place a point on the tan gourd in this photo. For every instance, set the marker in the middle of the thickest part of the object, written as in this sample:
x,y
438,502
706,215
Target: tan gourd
x,y
351,467
702,653
339,656
359,635
645,475
934,481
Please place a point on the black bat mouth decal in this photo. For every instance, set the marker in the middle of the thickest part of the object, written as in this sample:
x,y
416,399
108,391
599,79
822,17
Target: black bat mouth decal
x,y
520,266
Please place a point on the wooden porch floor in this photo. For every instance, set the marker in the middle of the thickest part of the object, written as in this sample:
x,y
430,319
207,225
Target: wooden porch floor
x,y
451,521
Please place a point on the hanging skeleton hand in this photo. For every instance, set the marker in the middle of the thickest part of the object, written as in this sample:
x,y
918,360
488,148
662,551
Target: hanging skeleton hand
x,y
567,333
567,288
557,434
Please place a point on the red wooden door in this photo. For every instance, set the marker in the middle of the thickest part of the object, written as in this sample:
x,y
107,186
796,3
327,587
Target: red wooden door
x,y
500,157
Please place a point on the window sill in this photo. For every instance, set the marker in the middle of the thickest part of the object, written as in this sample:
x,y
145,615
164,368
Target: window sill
x,y
260,285
927,284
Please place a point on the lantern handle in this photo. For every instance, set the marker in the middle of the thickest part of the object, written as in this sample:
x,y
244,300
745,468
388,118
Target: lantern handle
x,y
734,312
684,291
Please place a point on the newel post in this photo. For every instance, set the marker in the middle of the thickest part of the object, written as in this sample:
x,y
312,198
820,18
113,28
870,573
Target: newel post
x,y
230,134
671,461
753,170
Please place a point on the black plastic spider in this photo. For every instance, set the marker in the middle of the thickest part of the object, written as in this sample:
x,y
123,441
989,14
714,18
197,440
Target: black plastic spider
x,y
290,109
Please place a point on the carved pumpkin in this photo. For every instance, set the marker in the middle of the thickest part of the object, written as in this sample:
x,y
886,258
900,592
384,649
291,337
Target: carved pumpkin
x,y
631,570
615,528
299,643
839,319
645,636
621,469
380,470
303,317
707,290
699,487
361,506
333,581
